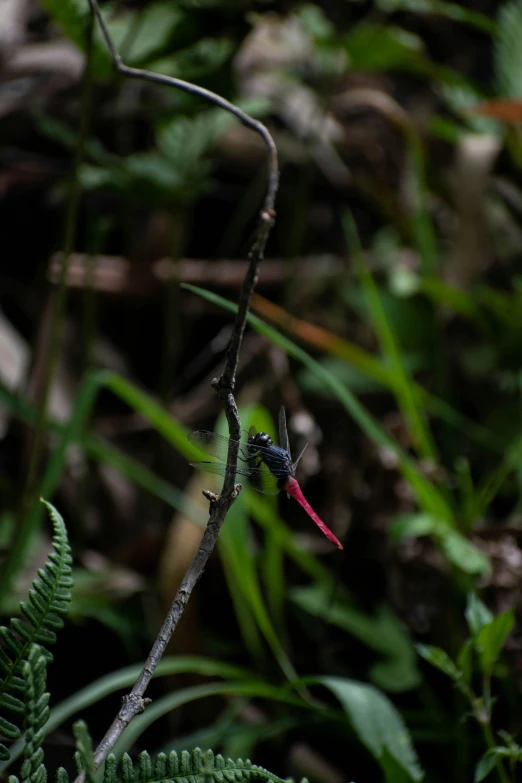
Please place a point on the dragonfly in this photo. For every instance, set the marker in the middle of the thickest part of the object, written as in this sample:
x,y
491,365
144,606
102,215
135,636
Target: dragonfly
x,y
269,468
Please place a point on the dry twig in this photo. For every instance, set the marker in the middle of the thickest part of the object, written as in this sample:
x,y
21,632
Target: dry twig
x,y
135,702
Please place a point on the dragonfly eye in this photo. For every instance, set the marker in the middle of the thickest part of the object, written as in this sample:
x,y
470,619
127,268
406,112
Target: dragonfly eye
x,y
262,439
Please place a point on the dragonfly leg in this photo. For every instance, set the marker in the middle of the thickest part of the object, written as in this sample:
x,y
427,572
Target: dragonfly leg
x,y
255,462
244,453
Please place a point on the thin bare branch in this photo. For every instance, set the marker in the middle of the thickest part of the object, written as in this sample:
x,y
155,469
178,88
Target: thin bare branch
x,y
135,702
212,97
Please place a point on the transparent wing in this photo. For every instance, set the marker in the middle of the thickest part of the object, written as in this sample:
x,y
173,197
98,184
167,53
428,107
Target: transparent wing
x,y
260,478
216,445
218,468
283,432
263,480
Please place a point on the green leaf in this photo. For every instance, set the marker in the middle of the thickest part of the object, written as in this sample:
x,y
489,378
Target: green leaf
x,y
412,526
486,765
350,376
458,549
384,47
196,61
465,660
382,632
185,140
376,722
140,34
491,637
440,659
508,52
315,22
453,11
73,17
462,552
460,98
477,614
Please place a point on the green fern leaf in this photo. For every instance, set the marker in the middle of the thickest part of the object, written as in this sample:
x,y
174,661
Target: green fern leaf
x,y
78,763
4,753
127,769
36,714
11,703
508,52
61,776
42,616
85,753
144,767
11,642
109,770
160,767
172,764
8,729
186,763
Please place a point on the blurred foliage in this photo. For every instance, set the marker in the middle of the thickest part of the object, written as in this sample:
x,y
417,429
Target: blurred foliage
x,y
390,329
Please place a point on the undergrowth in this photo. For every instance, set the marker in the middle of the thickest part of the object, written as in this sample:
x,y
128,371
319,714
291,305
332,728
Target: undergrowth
x,y
24,659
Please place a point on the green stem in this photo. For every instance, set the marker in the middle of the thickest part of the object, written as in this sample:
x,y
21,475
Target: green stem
x,y
490,742
479,708
25,527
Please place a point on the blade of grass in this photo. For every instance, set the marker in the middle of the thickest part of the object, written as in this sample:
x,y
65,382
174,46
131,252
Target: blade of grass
x,y
172,701
401,380
248,626
422,226
235,550
91,385
428,496
353,355
123,678
102,451
274,526
273,575
237,558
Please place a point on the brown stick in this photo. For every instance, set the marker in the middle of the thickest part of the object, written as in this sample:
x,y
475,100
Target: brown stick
x,y
134,702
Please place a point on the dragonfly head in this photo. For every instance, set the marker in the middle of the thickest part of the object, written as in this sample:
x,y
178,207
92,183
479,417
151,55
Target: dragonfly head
x,y
260,439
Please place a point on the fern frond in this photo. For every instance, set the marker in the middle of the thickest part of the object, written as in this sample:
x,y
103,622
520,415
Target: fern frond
x,y
85,751
195,767
508,52
43,615
36,714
